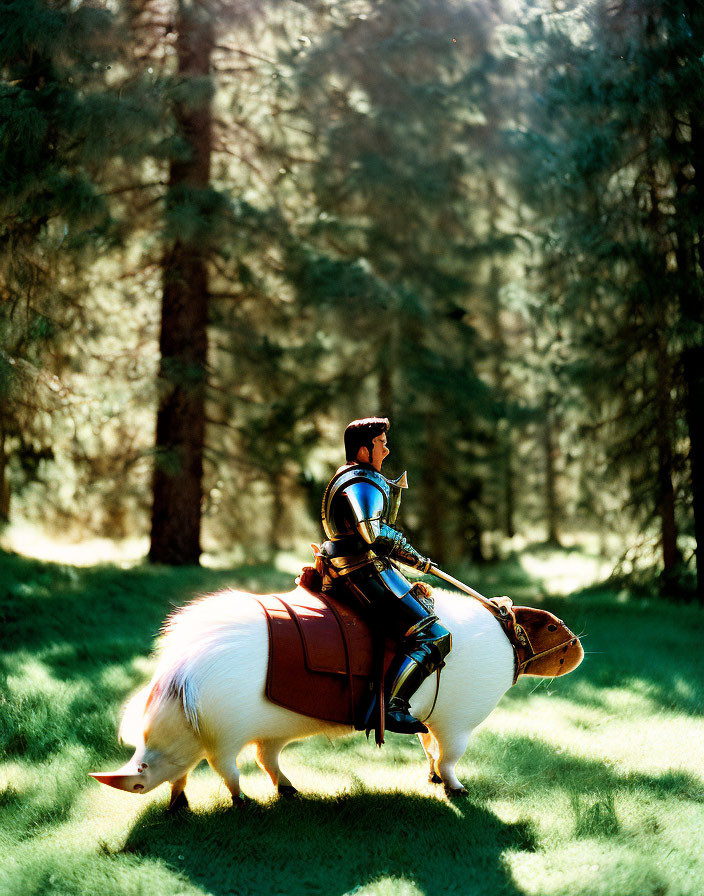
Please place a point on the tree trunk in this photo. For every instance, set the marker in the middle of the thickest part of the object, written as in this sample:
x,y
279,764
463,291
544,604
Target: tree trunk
x,y
280,528
509,492
506,499
434,514
692,299
550,452
691,307
4,484
386,390
666,492
388,363
663,389
694,379
180,427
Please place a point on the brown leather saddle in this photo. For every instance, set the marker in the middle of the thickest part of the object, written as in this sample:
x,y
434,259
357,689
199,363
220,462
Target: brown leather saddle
x,y
324,659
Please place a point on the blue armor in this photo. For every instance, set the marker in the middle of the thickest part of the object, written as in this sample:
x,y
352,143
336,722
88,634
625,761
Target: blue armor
x,y
359,511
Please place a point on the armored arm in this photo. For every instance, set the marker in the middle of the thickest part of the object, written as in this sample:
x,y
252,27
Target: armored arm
x,y
367,504
396,545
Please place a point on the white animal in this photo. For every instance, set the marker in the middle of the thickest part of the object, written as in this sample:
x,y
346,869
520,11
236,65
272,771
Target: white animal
x,y
207,697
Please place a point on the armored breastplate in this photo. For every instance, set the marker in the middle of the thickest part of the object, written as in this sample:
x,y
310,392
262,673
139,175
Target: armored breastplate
x,y
358,493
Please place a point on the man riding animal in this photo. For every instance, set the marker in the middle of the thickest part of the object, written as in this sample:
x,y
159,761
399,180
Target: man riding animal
x,y
359,513
213,691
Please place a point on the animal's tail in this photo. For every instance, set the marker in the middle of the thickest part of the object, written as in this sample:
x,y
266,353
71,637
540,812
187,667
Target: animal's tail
x,y
170,687
162,721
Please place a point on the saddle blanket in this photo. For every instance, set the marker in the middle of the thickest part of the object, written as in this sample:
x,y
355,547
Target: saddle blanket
x,y
321,656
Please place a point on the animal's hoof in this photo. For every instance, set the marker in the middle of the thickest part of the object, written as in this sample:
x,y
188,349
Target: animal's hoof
x,y
434,778
239,801
181,802
456,791
287,790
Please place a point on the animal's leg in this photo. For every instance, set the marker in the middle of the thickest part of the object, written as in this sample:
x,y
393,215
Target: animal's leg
x,y
451,750
268,761
178,797
430,746
226,767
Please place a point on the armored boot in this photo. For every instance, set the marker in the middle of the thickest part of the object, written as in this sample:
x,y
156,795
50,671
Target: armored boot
x,y
408,674
427,645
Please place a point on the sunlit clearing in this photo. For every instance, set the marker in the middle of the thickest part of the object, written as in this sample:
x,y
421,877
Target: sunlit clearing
x,y
565,573
30,541
388,886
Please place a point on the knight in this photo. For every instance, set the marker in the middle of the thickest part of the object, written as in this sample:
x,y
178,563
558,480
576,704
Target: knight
x,y
363,547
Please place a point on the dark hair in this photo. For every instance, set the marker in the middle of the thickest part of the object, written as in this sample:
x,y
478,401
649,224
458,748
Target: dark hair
x,y
361,434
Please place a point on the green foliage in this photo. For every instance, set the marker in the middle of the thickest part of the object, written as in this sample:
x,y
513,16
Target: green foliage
x,y
612,125
66,125
385,98
490,234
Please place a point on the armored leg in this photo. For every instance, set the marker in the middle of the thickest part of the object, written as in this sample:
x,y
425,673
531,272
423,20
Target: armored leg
x,y
425,643
424,652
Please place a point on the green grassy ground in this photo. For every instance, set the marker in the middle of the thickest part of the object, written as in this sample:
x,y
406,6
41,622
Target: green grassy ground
x,y
592,784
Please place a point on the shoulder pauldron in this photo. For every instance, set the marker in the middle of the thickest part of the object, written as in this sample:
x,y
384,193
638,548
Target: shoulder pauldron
x,y
369,495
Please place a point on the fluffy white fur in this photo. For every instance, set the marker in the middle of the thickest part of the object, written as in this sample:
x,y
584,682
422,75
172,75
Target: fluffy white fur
x,y
207,695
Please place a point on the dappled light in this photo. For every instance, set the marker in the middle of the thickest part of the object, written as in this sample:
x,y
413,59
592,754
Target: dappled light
x,y
248,250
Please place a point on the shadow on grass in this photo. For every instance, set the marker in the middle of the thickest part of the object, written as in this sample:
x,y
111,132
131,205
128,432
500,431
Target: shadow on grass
x,y
27,812
47,603
71,644
89,628
338,844
330,846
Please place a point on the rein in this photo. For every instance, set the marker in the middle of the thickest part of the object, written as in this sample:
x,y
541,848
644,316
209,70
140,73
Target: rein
x,y
537,656
435,699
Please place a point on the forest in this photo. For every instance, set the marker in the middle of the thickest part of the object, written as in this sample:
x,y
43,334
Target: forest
x,y
227,228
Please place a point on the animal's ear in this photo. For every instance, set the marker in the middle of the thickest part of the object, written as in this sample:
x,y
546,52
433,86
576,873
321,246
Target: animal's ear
x,y
503,601
130,777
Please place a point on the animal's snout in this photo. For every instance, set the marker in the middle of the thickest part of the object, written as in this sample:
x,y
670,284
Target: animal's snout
x,y
556,650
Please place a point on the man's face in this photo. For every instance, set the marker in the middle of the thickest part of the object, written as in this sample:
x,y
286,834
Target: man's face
x,y
379,452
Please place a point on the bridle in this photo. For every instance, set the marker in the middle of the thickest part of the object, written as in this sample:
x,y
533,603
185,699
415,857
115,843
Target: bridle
x,y
536,656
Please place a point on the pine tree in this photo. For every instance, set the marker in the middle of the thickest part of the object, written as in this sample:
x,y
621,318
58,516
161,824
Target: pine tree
x,y
200,220
617,172
392,95
183,343
61,127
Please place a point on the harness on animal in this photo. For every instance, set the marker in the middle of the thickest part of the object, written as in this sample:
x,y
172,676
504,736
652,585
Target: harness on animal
x,y
503,610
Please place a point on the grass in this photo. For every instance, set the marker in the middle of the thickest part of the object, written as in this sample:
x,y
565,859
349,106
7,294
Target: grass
x,y
587,785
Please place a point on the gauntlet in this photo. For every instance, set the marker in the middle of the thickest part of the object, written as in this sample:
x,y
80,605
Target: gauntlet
x,y
395,544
